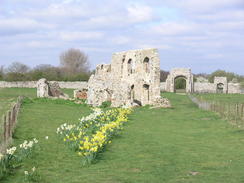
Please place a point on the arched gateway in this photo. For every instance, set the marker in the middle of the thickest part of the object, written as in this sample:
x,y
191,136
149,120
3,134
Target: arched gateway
x,y
176,73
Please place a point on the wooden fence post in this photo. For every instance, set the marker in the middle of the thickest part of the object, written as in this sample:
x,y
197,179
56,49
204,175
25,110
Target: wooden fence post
x,y
14,115
236,113
9,123
242,111
4,129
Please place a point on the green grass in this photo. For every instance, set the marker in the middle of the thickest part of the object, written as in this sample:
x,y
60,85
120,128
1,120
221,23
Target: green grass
x,y
9,96
226,98
157,145
69,92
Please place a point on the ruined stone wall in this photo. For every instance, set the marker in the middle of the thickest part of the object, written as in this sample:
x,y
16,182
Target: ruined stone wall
x,y
33,84
222,83
163,86
232,88
235,88
18,84
179,72
204,87
132,77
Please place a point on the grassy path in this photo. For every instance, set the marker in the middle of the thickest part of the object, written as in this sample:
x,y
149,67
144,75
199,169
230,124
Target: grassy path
x,y
158,145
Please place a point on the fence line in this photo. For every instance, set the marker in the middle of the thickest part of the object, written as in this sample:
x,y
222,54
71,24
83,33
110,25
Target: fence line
x,y
9,123
231,112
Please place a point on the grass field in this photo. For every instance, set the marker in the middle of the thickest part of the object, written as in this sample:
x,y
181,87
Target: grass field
x,y
8,96
226,98
157,145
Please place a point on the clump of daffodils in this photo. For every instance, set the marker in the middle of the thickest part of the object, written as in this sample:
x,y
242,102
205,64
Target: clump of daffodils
x,y
11,150
15,155
93,132
32,176
29,144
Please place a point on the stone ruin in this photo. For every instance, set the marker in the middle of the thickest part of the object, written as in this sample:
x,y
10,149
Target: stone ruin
x,y
177,73
132,78
46,89
80,94
220,84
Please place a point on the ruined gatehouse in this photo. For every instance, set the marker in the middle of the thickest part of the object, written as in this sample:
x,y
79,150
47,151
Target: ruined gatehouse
x,y
132,78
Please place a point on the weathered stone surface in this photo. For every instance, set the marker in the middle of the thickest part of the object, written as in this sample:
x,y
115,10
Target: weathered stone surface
x,y
46,89
204,87
133,78
33,84
221,84
179,72
162,102
235,88
80,94
55,90
42,88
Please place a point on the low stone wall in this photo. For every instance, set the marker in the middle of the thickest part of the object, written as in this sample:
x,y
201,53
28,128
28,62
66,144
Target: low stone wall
x,y
18,84
198,86
163,86
234,88
211,88
32,84
72,85
204,87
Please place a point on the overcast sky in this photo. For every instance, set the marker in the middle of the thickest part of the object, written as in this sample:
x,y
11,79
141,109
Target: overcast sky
x,y
204,35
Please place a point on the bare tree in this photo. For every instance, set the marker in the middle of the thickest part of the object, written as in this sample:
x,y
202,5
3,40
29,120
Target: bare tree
x,y
74,61
17,67
163,75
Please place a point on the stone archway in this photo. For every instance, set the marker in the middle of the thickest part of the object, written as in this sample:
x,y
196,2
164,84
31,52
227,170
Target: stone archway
x,y
146,65
220,88
180,84
146,94
179,72
221,84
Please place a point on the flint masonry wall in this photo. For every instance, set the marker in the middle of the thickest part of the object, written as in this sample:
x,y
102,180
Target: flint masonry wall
x,y
62,84
32,84
179,72
235,88
199,87
204,87
132,78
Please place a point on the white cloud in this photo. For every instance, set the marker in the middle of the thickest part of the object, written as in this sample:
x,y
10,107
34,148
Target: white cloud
x,y
16,25
174,28
120,40
75,36
158,46
192,28
201,6
214,56
139,13
230,15
58,10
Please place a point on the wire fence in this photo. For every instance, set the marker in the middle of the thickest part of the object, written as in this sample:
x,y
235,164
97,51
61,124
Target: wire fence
x,y
8,124
234,113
